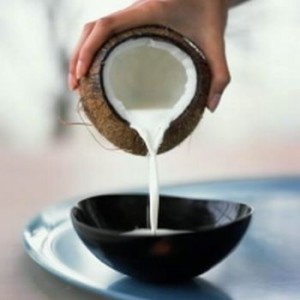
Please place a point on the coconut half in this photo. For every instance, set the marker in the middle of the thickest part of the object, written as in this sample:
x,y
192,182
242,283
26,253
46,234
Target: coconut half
x,y
147,69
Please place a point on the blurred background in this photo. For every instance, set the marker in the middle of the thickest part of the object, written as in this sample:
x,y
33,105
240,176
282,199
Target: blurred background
x,y
254,133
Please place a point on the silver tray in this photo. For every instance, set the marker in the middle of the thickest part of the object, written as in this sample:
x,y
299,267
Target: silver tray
x,y
265,265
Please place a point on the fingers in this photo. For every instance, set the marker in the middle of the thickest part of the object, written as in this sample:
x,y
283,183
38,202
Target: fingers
x,y
214,51
220,80
210,38
93,37
72,80
88,48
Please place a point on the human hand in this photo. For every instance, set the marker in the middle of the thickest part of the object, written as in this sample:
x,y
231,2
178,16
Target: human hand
x,y
202,21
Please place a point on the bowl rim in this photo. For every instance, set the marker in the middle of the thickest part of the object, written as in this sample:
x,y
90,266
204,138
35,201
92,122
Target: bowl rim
x,y
115,233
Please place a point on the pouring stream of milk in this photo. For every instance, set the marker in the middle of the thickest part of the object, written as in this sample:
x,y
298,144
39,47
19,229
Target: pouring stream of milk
x,y
150,83
143,122
151,126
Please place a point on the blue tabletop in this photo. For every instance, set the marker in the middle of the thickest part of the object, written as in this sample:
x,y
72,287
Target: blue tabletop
x,y
266,264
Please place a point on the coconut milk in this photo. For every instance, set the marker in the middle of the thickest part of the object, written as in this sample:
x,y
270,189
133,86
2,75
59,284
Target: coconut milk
x,y
159,231
143,123
151,126
150,83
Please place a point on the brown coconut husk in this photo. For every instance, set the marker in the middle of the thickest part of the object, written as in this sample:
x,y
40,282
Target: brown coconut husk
x,y
106,120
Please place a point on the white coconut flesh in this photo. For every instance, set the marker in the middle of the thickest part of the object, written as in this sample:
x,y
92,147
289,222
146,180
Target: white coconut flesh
x,y
149,83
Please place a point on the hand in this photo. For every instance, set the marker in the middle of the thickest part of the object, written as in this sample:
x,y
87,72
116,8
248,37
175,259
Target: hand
x,y
202,21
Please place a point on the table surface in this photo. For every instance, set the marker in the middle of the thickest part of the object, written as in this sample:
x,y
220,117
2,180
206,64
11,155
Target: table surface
x,y
266,265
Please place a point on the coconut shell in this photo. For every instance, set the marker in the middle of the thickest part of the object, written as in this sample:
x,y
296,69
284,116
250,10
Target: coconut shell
x,y
117,130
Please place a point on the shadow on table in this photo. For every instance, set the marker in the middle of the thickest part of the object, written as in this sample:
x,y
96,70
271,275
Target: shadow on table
x,y
41,282
195,289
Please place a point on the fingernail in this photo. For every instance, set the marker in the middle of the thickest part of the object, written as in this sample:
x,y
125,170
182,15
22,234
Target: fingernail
x,y
71,82
214,102
79,69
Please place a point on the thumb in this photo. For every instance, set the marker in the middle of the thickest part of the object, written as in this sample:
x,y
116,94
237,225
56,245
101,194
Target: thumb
x,y
220,80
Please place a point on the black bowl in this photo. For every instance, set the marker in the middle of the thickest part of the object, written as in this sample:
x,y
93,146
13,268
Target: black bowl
x,y
207,232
